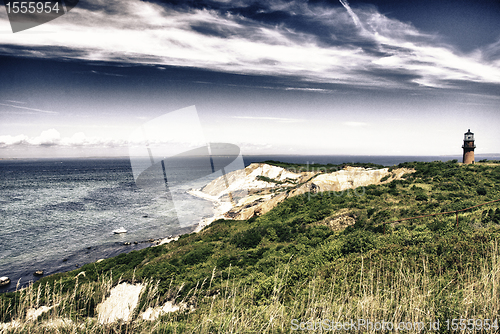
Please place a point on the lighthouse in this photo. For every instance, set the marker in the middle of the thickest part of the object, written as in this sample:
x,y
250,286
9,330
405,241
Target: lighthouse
x,y
468,147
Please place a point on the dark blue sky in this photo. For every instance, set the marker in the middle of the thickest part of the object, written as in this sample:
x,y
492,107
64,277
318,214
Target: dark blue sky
x,y
287,77
464,24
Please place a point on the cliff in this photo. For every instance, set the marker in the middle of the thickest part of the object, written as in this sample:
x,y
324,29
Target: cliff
x,y
260,187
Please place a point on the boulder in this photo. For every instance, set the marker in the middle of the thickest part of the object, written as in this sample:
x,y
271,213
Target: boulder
x,y
4,281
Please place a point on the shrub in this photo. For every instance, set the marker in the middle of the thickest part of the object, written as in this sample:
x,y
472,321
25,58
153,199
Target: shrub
x,y
385,178
358,242
197,255
481,191
249,238
421,197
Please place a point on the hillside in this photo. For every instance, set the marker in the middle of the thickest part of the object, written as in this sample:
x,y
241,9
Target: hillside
x,y
316,255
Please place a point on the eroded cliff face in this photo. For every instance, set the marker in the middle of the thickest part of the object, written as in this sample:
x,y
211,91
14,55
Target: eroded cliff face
x,y
260,187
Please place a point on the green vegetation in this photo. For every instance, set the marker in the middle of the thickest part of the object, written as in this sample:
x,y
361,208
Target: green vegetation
x,y
268,179
490,161
328,168
258,275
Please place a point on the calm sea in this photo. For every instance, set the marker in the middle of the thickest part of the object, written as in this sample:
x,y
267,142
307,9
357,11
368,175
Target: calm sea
x,y
56,215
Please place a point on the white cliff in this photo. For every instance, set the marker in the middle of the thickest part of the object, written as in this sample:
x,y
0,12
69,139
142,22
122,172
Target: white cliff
x,y
259,187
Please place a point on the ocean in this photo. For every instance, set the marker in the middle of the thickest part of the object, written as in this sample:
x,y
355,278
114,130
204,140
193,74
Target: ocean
x,y
58,214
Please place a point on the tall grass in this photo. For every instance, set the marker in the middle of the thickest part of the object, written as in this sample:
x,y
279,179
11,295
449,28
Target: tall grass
x,y
373,291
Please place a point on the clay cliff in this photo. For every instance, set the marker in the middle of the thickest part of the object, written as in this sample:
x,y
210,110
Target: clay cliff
x,y
259,187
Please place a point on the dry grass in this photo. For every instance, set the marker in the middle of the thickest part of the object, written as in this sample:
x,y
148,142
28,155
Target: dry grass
x,y
373,292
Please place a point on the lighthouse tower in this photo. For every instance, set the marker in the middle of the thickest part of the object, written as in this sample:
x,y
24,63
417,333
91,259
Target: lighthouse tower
x,y
468,147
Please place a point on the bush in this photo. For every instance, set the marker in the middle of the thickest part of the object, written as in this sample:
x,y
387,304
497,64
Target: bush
x,y
481,191
200,254
421,197
249,238
358,242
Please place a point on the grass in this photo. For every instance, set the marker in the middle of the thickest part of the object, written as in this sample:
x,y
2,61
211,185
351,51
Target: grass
x,y
261,274
370,290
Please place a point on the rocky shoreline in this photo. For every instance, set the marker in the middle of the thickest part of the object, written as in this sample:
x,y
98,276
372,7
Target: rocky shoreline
x,y
22,275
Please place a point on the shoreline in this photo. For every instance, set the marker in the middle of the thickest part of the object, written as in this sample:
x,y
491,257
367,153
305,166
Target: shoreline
x,y
220,208
22,276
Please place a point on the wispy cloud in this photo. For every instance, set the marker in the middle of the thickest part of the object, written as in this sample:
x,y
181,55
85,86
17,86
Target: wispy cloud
x,y
108,74
26,108
318,90
351,13
52,138
318,43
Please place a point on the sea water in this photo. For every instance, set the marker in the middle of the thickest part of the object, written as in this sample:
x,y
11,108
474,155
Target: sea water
x,y
56,215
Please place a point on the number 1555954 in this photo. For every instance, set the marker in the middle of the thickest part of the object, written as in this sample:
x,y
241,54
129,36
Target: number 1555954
x,y
32,7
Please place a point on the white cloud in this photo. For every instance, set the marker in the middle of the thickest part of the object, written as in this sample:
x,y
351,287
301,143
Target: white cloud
x,y
53,138
13,140
78,139
47,138
139,31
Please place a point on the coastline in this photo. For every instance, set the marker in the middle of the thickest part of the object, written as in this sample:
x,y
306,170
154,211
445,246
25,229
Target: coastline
x,y
220,208
23,275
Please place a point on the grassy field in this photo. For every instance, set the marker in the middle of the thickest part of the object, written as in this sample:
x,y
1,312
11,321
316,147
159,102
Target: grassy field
x,y
289,268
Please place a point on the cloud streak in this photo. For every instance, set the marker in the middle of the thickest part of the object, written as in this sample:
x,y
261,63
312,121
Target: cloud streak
x,y
52,138
30,109
318,43
351,13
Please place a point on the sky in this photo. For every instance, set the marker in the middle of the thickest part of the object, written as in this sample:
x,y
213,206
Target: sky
x,y
284,77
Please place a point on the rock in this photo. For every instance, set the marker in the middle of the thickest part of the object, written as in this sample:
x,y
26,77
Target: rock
x,y
340,220
121,303
151,240
135,242
64,260
32,314
38,273
4,281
